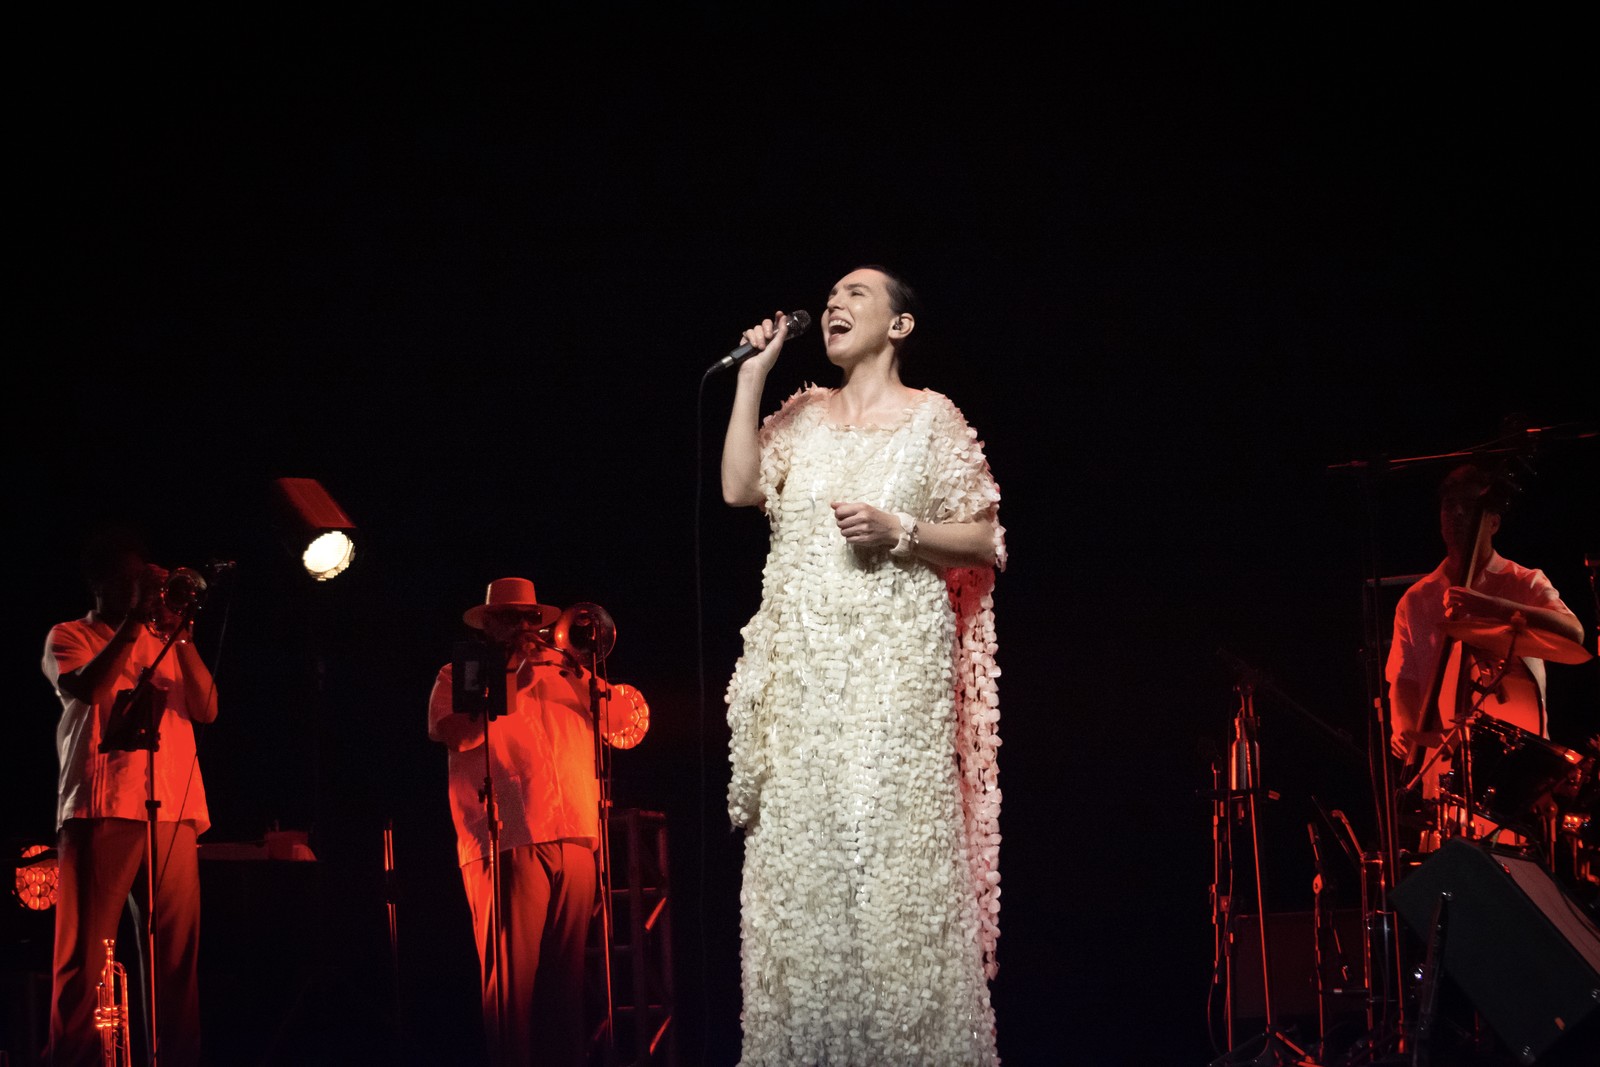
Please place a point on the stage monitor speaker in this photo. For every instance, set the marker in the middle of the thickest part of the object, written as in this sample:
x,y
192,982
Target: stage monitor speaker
x,y
1525,953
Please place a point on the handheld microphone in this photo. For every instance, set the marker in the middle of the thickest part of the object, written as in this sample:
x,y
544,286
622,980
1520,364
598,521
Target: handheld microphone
x,y
799,321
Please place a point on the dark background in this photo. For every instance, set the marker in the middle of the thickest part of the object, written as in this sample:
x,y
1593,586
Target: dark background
x,y
1194,275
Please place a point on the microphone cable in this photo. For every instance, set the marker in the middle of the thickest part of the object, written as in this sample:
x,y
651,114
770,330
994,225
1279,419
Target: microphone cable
x,y
700,666
799,322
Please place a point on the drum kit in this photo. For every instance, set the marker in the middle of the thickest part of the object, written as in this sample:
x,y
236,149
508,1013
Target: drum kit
x,y
1502,792
1512,788
1488,832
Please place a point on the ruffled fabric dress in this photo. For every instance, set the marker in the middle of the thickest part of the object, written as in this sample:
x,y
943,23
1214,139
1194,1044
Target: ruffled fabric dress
x,y
864,714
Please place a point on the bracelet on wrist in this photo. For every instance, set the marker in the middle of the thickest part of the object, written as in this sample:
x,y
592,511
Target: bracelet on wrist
x,y
908,536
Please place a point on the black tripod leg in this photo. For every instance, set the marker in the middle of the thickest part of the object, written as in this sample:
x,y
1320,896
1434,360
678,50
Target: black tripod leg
x,y
1428,991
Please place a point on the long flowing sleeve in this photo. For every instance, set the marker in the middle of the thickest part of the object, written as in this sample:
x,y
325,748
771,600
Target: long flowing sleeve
x,y
965,491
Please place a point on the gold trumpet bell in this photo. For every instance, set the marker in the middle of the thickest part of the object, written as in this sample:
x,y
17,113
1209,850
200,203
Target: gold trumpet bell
x,y
111,1011
587,631
180,595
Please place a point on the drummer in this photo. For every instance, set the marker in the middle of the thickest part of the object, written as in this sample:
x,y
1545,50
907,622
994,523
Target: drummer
x,y
1503,618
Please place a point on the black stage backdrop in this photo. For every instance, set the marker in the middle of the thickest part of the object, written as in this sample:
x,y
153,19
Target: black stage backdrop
x,y
1194,276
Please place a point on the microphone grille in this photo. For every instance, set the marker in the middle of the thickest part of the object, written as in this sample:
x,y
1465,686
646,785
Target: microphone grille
x,y
799,322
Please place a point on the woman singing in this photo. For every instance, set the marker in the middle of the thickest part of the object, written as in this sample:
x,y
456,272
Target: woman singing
x,y
864,709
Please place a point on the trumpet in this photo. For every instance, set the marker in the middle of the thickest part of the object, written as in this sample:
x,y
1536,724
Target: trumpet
x,y
179,595
111,1011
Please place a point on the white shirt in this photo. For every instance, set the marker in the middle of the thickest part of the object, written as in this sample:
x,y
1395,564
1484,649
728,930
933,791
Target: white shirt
x,y
1419,619
100,785
542,757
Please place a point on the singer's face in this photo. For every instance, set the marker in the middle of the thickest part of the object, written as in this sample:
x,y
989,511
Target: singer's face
x,y
856,322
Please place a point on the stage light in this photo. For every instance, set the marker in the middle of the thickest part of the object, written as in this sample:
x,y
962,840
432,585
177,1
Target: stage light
x,y
315,527
38,880
624,717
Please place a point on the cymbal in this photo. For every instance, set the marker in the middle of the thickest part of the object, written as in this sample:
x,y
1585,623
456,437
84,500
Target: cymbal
x,y
1498,638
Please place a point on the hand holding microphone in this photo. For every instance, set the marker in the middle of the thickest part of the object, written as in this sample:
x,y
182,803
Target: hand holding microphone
x,y
766,339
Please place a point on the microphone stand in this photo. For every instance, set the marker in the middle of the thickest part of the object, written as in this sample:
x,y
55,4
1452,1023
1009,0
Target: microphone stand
x,y
391,898
496,961
1384,967
133,725
1591,563
1221,900
1244,762
1325,933
584,633
1244,791
603,776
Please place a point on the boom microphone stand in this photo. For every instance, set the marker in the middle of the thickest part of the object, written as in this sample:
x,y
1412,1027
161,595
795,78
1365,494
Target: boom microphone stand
x,y
587,630
134,725
1380,865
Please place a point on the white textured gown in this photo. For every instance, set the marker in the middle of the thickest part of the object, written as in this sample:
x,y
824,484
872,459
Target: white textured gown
x,y
864,715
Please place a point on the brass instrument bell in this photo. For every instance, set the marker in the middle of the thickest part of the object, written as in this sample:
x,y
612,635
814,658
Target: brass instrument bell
x,y
111,1011
586,630
177,598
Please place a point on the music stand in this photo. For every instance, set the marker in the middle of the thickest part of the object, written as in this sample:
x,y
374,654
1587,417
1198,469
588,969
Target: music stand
x,y
134,725
478,690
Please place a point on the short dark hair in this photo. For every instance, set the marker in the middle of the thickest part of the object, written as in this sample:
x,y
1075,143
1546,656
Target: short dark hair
x,y
1471,482
902,298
